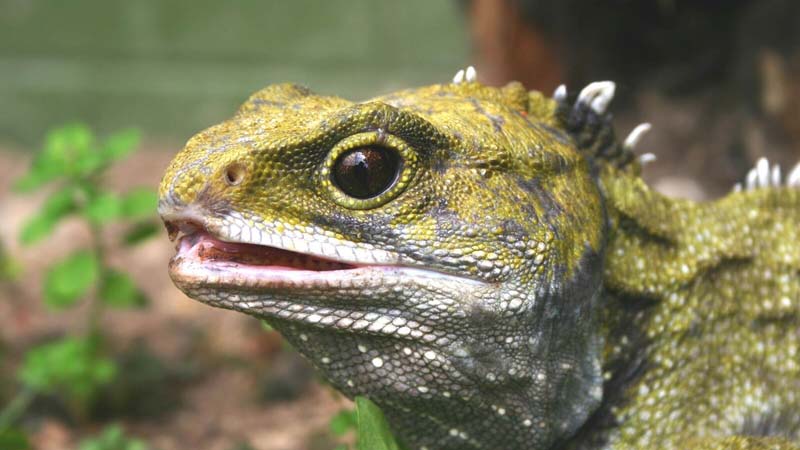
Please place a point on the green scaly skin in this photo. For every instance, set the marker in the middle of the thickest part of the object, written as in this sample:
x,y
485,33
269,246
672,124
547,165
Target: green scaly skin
x,y
518,287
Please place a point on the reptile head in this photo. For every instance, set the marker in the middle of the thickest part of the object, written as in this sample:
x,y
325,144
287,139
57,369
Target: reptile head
x,y
435,249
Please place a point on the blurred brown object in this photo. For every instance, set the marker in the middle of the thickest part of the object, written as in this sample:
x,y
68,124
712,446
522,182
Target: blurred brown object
x,y
719,80
508,48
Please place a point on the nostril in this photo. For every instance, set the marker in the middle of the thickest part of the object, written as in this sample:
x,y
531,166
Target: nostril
x,y
234,174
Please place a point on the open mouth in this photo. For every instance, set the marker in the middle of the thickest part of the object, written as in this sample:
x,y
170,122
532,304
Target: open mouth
x,y
202,259
205,248
205,260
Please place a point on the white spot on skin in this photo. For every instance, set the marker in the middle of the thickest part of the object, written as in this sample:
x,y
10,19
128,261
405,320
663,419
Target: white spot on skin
x,y
350,383
422,389
362,349
501,411
377,362
527,422
314,318
303,337
325,360
453,432
407,350
430,354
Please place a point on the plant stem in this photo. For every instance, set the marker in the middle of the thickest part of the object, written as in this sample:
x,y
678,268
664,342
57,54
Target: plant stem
x,y
16,408
96,306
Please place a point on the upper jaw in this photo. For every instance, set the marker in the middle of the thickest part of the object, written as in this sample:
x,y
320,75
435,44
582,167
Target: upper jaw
x,y
235,227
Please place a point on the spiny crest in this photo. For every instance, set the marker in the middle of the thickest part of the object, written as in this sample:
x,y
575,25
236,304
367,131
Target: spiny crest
x,y
586,120
764,176
590,124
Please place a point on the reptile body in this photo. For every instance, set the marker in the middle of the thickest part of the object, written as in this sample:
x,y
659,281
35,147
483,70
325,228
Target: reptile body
x,y
487,265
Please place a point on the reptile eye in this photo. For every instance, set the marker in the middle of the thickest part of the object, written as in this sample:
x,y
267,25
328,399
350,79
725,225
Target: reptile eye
x,y
366,172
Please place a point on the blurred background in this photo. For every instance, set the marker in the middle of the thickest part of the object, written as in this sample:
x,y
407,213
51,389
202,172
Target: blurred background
x,y
99,351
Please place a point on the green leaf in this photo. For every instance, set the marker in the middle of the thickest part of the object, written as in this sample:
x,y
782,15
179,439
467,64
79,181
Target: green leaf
x,y
120,144
69,280
56,207
344,421
140,232
36,177
139,203
104,208
373,431
112,438
11,439
63,148
119,291
71,366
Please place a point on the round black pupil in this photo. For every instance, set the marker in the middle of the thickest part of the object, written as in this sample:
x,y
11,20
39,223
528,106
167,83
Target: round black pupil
x,y
366,172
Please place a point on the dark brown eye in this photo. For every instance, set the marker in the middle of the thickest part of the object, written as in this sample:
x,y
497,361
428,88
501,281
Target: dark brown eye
x,y
366,172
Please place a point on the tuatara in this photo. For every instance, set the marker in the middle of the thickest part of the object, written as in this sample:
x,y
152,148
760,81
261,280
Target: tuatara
x,y
487,265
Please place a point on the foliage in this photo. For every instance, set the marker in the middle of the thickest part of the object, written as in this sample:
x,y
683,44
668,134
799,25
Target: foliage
x,y
371,428
112,438
73,163
11,439
72,366
343,422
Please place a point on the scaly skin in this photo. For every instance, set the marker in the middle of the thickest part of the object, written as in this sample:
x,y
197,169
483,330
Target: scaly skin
x,y
519,286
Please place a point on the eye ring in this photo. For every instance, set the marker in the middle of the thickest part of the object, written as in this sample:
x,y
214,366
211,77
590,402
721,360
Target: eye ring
x,y
382,151
234,174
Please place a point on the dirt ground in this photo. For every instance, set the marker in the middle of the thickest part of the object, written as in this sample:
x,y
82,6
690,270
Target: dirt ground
x,y
221,407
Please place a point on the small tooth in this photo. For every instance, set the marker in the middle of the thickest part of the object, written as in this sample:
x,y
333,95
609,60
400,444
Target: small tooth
x,y
752,178
459,77
775,175
560,94
636,135
762,169
793,179
471,75
598,95
647,158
